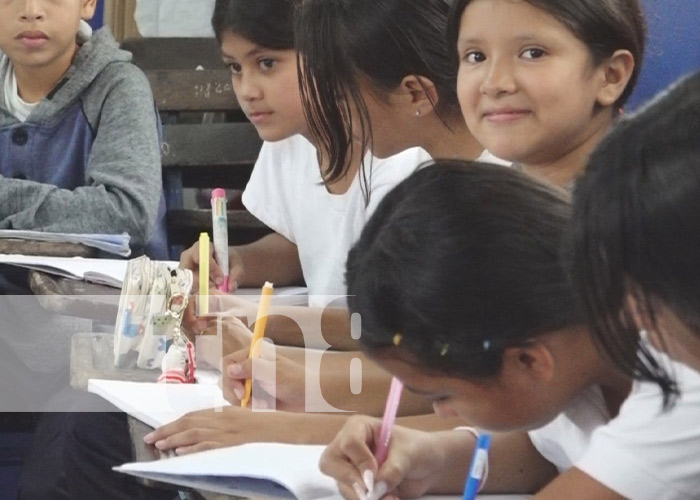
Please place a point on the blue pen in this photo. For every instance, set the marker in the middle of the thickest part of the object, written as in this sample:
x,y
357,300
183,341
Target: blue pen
x,y
477,469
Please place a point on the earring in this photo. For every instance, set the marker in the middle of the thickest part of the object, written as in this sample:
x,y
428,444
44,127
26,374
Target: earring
x,y
418,112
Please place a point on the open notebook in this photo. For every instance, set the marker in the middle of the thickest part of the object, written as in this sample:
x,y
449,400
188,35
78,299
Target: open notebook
x,y
258,470
111,272
158,404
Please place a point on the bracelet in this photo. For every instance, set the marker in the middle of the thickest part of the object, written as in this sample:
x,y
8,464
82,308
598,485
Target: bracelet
x,y
476,434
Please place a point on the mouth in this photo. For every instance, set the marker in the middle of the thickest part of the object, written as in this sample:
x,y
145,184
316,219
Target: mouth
x,y
32,39
258,116
505,114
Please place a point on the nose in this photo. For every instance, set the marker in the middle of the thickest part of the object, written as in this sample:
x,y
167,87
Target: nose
x,y
33,10
499,79
247,87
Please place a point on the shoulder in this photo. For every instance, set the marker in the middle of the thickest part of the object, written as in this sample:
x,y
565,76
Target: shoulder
x,y
399,166
646,450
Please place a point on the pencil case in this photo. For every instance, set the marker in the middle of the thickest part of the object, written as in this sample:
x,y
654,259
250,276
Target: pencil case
x,y
152,302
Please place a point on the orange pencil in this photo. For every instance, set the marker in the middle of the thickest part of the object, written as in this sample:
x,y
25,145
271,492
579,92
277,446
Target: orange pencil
x,y
258,334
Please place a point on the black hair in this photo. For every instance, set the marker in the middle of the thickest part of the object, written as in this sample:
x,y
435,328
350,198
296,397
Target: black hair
x,y
268,23
462,259
341,42
604,26
635,228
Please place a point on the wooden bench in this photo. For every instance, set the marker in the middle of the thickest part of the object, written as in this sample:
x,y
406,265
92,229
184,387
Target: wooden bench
x,y
207,141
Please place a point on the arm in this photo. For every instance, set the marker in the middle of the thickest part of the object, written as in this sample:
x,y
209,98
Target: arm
x,y
123,176
436,462
575,484
231,426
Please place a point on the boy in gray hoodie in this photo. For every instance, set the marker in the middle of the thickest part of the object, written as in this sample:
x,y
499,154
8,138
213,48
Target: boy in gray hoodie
x,y
79,146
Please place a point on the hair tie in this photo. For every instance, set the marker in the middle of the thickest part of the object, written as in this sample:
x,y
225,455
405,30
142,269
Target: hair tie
x,y
444,349
487,345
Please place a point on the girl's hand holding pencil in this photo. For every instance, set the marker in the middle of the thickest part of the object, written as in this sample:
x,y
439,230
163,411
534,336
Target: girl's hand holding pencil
x,y
414,462
189,259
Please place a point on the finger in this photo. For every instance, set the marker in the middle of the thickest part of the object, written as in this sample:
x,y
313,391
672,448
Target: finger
x,y
166,430
204,446
336,464
233,390
189,259
234,358
235,270
189,437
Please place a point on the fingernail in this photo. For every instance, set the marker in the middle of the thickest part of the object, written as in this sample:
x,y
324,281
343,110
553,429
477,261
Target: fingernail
x,y
160,444
238,392
148,438
178,451
378,492
368,478
201,325
234,369
359,491
218,280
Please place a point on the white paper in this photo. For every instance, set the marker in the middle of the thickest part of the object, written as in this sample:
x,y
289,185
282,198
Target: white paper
x,y
271,470
158,404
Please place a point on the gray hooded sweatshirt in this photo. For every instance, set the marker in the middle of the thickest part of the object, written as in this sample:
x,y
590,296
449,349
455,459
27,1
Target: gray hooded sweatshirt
x,y
87,159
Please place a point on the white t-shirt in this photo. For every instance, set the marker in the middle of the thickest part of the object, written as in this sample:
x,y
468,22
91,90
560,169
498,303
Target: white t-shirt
x,y
14,104
286,193
643,453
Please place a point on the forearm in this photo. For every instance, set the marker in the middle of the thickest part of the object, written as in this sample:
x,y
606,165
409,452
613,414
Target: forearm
x,y
311,327
271,258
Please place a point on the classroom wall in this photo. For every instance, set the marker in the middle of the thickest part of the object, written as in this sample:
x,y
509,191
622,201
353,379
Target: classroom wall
x,y
673,45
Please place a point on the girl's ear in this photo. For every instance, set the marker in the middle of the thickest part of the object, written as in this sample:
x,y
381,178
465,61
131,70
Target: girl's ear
x,y
87,9
422,93
616,74
533,359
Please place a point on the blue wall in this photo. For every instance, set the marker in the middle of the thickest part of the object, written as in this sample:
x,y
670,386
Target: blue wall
x,y
673,45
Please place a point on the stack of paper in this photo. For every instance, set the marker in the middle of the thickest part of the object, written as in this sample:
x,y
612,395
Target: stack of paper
x,y
117,244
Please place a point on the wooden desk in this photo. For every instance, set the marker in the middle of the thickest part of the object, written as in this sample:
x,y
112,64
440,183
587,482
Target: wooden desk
x,y
75,297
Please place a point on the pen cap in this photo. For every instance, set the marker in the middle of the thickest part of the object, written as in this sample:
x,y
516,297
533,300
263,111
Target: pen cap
x,y
218,193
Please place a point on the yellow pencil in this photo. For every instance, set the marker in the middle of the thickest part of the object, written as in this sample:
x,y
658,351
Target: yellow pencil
x,y
203,274
258,334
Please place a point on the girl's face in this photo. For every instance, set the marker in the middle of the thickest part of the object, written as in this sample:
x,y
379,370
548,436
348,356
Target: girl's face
x,y
266,85
508,401
526,85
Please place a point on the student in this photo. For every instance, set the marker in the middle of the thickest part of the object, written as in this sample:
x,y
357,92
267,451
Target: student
x,y
489,329
540,82
635,247
316,215
394,76
78,127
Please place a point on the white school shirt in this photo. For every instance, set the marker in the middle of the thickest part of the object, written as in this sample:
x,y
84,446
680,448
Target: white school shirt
x,y
286,192
643,453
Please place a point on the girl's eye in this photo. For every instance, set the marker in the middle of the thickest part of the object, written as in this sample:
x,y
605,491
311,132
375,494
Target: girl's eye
x,y
267,64
235,68
533,53
474,56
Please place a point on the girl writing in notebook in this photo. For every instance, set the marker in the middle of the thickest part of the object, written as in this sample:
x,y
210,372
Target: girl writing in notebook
x,y
635,238
490,331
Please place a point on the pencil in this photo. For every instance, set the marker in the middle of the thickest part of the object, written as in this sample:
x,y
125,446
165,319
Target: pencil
x,y
258,334
392,405
203,274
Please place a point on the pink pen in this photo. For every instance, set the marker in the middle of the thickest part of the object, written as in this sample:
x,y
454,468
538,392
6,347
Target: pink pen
x,y
392,405
220,230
